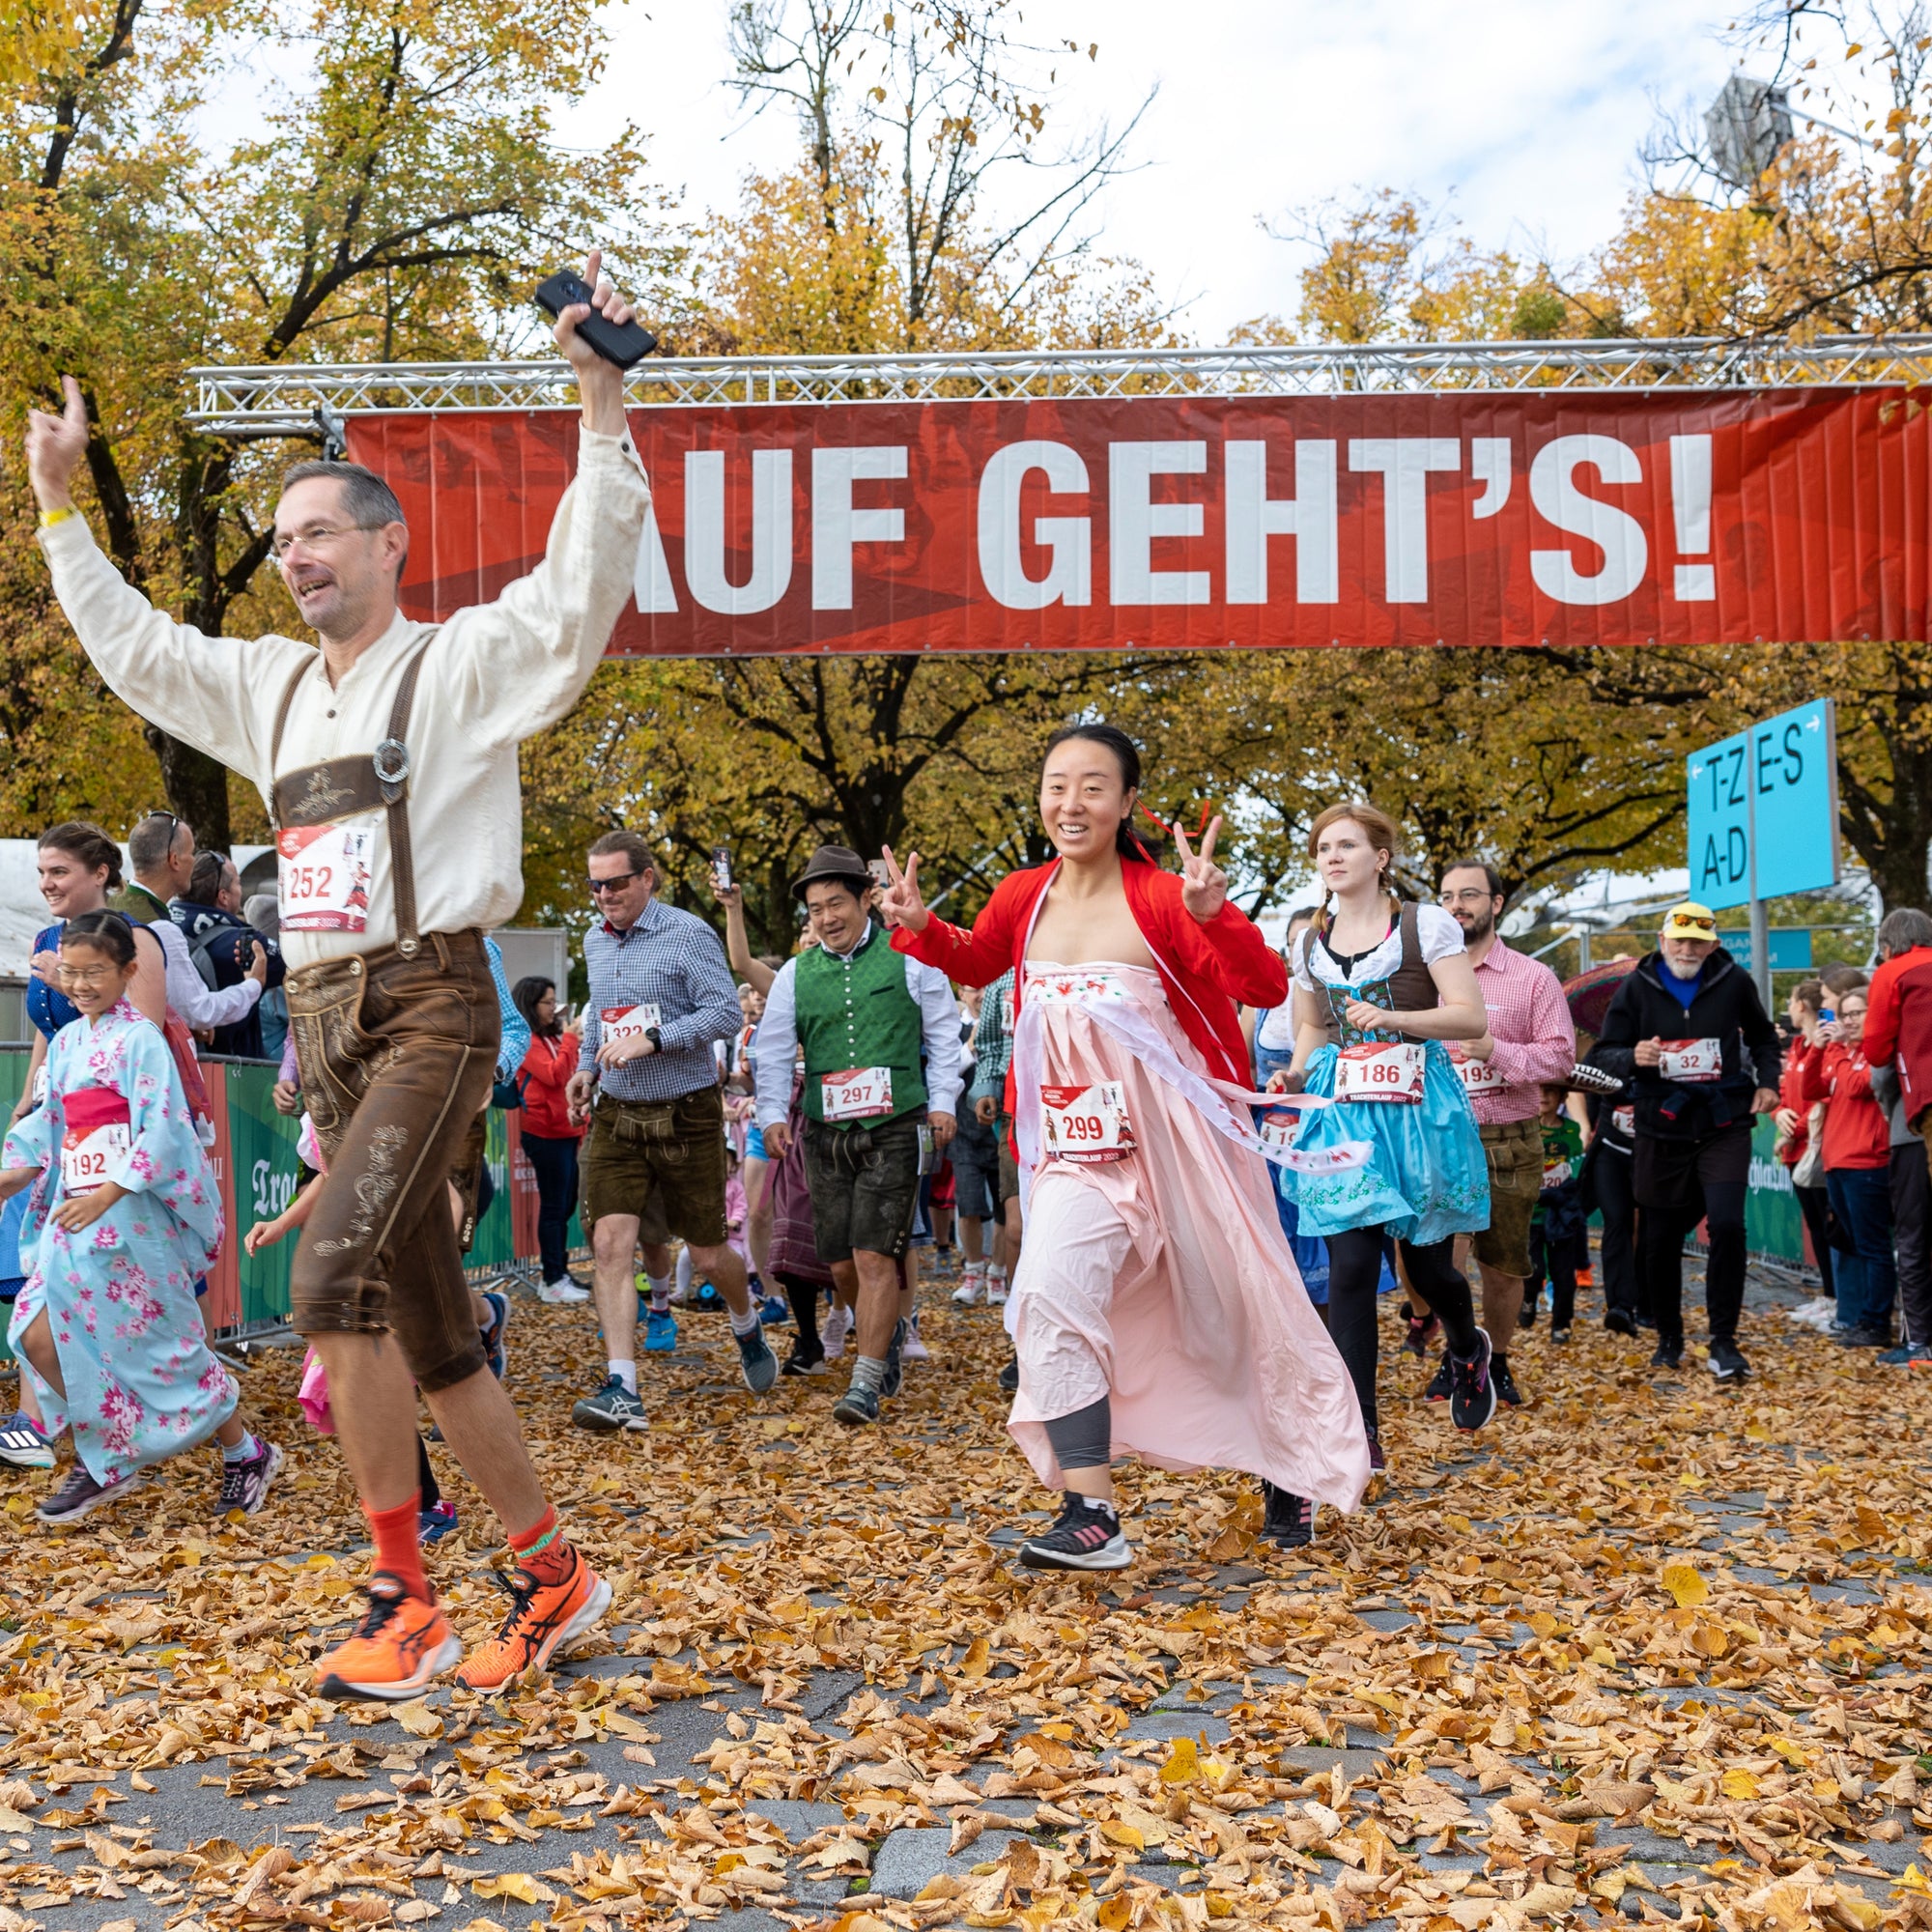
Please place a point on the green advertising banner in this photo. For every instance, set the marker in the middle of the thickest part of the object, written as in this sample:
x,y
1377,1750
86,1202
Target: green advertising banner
x,y
1773,1222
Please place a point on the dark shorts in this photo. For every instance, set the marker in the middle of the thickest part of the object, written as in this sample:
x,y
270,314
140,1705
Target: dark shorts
x,y
1009,1161
1513,1149
864,1186
398,1056
975,1169
661,1160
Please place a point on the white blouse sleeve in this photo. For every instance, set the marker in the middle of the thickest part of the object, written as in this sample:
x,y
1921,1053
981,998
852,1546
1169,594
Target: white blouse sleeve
x,y
1304,945
1438,933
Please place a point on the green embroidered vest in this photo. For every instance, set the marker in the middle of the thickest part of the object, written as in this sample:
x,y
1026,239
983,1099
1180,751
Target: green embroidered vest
x,y
859,1012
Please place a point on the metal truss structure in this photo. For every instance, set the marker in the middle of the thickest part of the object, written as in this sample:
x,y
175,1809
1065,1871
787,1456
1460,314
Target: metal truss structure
x,y
310,399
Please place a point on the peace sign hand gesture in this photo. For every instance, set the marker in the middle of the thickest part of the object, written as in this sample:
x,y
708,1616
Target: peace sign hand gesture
x,y
1204,886
901,902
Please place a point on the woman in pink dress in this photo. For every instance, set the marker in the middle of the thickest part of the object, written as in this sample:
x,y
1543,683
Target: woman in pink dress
x,y
1156,1310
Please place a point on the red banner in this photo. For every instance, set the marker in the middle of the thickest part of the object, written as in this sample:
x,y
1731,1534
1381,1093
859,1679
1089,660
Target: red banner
x,y
1563,517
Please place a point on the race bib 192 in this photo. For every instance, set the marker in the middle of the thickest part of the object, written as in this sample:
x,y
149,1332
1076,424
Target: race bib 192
x,y
97,1136
1691,1061
323,872
1280,1127
1088,1123
1390,1071
858,1093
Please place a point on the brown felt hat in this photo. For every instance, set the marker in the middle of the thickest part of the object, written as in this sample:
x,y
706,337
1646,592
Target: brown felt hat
x,y
834,862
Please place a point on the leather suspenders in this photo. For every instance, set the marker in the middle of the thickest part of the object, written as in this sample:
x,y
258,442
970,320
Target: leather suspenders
x,y
341,787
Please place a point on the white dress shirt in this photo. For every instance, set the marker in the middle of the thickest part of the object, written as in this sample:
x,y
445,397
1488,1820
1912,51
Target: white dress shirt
x,y
202,1005
777,1042
497,674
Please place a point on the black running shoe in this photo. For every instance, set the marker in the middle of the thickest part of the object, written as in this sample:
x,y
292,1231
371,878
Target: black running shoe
x,y
1559,1334
1289,1521
1507,1392
894,1362
1377,1462
1009,1377
1669,1355
1420,1328
1472,1389
1727,1362
1086,1537
1438,1387
1526,1315
802,1362
1620,1322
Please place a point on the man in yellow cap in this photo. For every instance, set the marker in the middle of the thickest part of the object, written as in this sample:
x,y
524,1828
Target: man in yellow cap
x,y
1690,1032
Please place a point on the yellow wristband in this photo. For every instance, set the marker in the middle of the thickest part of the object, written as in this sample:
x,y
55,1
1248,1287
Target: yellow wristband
x,y
49,517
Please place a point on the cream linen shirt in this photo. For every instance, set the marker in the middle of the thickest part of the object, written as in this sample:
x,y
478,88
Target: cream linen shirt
x,y
497,674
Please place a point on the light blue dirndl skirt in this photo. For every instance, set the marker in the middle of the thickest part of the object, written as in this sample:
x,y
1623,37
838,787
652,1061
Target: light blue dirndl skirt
x,y
1426,1177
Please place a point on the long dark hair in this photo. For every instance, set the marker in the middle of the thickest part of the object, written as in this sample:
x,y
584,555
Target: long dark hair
x,y
525,994
1127,754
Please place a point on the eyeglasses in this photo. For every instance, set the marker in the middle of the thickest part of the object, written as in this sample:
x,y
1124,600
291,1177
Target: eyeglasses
x,y
599,886
1475,895
320,533
87,976
1686,926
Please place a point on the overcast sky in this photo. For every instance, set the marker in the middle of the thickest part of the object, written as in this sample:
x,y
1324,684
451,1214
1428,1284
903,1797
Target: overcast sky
x,y
1528,115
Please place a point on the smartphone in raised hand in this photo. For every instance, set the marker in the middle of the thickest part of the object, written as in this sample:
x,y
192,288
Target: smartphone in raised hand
x,y
721,869
623,345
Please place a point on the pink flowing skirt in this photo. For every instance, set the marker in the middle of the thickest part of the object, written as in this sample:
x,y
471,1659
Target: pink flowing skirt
x,y
1163,1280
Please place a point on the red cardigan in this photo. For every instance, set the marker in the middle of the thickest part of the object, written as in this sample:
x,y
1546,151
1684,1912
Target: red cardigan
x,y
1857,1132
1205,967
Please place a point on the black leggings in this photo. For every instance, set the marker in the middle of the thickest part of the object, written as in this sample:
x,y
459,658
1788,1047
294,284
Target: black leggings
x,y
1354,1273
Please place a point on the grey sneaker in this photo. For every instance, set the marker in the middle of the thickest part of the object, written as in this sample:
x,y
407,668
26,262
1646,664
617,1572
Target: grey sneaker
x,y
245,1486
80,1495
23,1445
857,1406
755,1357
612,1406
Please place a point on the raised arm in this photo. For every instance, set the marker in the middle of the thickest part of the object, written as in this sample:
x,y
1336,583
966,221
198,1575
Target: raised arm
x,y
975,958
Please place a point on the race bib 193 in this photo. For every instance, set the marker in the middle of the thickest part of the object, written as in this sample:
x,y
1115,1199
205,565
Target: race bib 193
x,y
323,872
1478,1076
1691,1061
1087,1123
1390,1071
858,1093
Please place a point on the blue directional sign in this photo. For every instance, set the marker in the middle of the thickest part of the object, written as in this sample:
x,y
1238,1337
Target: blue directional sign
x,y
1772,793
1790,948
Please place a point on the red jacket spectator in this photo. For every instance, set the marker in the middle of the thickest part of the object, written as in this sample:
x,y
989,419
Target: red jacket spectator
x,y
543,1076
1898,1025
1790,1093
1857,1132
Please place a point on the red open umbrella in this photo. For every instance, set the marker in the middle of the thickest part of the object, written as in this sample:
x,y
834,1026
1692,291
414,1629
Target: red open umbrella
x,y
1590,993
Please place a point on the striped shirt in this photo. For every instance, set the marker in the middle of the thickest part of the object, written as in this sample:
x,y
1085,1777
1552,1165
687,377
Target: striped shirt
x,y
672,961
1529,1020
993,1040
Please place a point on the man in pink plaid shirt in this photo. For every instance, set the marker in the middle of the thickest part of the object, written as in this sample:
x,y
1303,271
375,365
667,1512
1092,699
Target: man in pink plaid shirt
x,y
1531,1039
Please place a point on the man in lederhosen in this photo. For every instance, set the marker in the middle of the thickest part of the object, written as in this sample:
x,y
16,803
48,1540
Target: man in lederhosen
x,y
389,762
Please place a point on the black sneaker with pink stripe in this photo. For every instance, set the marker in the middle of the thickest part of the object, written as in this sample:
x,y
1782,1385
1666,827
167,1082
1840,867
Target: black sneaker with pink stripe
x,y
1086,1537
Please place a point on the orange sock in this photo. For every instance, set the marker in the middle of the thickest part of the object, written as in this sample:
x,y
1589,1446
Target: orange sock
x,y
398,1547
542,1550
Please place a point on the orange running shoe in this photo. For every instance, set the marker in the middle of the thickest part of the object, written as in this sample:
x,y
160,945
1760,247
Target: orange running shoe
x,y
543,1618
398,1649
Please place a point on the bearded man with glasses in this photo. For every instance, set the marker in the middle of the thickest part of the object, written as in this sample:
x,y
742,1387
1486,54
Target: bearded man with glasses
x,y
1690,1032
661,1000
399,844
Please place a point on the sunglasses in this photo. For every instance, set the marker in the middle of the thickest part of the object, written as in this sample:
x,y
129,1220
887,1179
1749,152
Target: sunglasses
x,y
1681,923
599,886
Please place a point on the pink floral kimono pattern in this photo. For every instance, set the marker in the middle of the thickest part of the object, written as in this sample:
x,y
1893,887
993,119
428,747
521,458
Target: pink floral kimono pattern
x,y
141,1381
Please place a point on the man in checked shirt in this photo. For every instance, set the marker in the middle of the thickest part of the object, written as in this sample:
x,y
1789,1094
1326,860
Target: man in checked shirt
x,y
660,996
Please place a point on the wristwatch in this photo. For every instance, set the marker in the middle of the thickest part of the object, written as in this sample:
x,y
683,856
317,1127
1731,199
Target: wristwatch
x,y
656,1039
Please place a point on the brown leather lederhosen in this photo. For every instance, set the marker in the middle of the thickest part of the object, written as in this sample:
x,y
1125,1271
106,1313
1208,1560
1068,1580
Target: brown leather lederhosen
x,y
1412,986
397,1052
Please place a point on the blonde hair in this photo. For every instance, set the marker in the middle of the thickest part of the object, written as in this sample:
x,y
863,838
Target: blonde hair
x,y
1384,835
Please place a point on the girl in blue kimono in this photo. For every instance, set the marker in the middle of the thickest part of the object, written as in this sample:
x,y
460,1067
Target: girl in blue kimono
x,y
123,1214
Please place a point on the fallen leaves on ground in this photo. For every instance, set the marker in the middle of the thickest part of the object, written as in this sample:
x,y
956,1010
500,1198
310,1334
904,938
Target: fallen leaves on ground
x,y
1612,1622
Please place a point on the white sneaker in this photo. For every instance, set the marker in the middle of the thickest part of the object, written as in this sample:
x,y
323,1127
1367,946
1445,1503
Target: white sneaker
x,y
996,1291
971,1289
835,1328
913,1349
561,1291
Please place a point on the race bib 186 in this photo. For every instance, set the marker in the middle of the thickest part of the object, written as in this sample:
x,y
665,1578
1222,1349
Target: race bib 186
x,y
323,872
1691,1061
1389,1072
1087,1123
858,1093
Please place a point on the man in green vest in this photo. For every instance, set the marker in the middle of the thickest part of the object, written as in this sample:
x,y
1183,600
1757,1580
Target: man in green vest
x,y
880,1037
